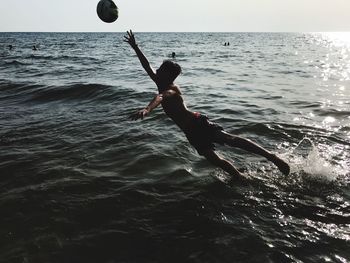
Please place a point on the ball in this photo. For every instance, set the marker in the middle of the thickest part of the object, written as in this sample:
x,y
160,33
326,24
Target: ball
x,y
107,11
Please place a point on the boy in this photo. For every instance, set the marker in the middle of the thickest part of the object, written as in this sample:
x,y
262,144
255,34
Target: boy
x,y
200,132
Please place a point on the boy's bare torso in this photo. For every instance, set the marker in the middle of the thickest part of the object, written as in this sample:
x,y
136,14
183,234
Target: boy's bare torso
x,y
175,108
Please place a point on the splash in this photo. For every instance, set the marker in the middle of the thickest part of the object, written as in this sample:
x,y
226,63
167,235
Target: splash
x,y
319,168
314,164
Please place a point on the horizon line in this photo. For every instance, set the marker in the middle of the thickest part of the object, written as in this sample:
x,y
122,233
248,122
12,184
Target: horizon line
x,y
176,32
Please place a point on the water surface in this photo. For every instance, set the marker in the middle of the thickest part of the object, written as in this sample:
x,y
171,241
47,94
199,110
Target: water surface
x,y
79,182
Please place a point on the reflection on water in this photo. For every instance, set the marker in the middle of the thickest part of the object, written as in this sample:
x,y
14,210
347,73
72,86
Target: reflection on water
x,y
340,39
332,77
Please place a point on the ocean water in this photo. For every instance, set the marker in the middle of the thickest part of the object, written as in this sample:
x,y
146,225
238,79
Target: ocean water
x,y
80,182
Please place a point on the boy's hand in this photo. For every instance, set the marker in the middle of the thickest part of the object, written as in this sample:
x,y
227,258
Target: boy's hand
x,y
139,114
130,38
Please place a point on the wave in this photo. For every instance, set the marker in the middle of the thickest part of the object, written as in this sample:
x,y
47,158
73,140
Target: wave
x,y
303,104
73,92
34,93
332,112
15,63
63,57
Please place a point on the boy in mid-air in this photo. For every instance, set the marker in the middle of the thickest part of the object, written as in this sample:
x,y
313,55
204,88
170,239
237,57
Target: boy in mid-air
x,y
200,132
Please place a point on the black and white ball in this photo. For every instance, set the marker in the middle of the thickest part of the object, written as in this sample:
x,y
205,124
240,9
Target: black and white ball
x,y
107,11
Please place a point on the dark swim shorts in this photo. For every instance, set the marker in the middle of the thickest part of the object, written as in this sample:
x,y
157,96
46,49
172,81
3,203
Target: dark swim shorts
x,y
201,133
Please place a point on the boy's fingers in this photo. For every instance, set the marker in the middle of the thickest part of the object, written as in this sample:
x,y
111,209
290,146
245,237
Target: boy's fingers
x,y
135,116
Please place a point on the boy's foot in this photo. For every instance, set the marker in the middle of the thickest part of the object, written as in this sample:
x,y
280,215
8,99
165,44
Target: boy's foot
x,y
282,165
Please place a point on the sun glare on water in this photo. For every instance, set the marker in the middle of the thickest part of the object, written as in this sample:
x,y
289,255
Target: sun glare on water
x,y
338,38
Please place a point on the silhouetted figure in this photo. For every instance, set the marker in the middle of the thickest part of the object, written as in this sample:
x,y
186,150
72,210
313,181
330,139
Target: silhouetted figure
x,y
173,55
200,132
225,44
10,47
228,43
35,48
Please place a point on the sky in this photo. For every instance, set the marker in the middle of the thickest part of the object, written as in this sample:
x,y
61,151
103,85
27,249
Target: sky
x,y
177,16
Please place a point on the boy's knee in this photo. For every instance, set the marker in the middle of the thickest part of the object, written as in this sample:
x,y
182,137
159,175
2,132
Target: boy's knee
x,y
218,161
239,141
213,158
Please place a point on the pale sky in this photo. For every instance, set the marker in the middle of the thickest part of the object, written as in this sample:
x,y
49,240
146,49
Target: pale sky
x,y
177,16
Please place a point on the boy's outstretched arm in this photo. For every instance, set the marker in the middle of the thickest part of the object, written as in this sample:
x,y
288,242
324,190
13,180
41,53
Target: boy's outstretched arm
x,y
153,104
157,100
130,38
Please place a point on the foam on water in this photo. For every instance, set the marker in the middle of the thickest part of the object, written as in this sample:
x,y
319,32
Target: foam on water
x,y
319,168
316,165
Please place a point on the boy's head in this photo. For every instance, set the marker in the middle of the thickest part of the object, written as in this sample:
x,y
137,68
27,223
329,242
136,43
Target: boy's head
x,y
168,71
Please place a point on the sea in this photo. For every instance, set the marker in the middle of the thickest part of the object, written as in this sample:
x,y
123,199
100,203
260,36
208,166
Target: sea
x,y
81,182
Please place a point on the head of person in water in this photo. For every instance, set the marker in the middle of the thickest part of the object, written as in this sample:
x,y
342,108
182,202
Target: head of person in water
x,y
173,54
168,72
10,47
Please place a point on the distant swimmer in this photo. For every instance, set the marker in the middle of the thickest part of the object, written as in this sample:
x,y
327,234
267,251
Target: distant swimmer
x,y
200,132
225,44
34,48
10,47
173,55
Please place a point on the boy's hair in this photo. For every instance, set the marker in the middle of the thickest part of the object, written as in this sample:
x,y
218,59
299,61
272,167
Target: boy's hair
x,y
173,68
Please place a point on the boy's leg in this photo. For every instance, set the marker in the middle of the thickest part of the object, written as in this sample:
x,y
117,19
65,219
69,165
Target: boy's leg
x,y
216,160
245,144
